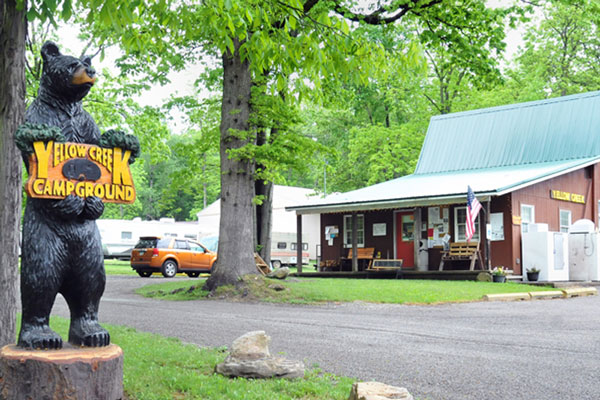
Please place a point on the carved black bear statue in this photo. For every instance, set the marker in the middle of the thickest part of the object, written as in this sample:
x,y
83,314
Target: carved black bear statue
x,y
62,251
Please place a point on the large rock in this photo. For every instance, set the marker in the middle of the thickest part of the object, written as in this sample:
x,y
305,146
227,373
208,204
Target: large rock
x,y
250,358
251,346
279,273
378,391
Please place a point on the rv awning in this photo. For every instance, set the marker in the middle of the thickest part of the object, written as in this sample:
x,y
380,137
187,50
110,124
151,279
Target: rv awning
x,y
442,188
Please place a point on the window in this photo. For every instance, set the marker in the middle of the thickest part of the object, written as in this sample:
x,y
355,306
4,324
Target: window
x,y
196,247
564,220
360,230
189,236
281,245
460,225
182,244
527,216
126,235
170,234
294,246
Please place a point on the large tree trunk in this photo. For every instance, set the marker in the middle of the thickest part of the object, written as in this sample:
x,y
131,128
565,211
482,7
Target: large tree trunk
x,y
236,230
12,112
264,219
264,211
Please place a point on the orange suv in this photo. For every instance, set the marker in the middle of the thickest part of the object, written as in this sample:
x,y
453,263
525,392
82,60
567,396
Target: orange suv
x,y
171,255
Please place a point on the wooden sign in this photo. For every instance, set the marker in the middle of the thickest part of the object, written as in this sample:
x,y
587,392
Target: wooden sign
x,y
566,196
57,170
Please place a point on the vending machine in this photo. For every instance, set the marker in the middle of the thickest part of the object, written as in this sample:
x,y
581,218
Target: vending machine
x,y
546,251
584,257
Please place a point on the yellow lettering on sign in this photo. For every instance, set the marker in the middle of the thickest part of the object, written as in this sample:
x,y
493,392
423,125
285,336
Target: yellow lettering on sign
x,y
80,189
38,186
557,194
42,152
48,188
121,173
577,198
81,151
110,191
59,188
70,188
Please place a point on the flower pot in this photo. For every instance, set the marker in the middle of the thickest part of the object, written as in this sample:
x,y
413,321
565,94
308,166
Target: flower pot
x,y
499,278
533,276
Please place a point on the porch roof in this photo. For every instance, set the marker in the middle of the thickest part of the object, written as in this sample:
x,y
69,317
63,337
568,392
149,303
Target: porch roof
x,y
443,187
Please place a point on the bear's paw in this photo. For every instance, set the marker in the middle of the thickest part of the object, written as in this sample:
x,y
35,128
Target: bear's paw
x,y
114,138
29,133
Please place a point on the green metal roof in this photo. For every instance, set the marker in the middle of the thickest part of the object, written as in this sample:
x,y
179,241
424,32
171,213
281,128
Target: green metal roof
x,y
495,151
442,187
563,128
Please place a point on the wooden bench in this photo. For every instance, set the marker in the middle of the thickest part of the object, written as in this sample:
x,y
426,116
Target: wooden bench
x,y
261,265
462,251
329,265
382,266
363,253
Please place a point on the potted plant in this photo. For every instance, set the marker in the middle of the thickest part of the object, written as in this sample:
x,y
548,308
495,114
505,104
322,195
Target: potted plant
x,y
499,274
533,274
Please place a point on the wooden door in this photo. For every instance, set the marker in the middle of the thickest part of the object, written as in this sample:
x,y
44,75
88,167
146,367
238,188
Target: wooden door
x,y
405,244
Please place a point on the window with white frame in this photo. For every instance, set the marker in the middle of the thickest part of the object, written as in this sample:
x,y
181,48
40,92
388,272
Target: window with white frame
x,y
360,230
126,235
460,225
527,216
564,218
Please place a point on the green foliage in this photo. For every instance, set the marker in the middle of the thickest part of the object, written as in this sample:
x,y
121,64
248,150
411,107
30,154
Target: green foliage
x,y
29,133
560,56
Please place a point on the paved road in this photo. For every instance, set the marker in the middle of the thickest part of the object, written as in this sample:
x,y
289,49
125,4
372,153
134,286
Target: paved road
x,y
542,350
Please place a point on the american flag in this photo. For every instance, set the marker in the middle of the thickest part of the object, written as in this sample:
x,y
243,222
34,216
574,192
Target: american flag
x,y
473,207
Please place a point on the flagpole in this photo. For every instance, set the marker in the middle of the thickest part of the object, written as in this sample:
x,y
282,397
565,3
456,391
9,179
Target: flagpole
x,y
488,242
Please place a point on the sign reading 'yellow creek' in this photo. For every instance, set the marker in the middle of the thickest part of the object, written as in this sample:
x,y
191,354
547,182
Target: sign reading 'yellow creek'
x,y
57,170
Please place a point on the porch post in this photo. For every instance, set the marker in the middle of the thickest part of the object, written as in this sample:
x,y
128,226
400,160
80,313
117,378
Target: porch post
x,y
299,243
354,242
488,247
417,237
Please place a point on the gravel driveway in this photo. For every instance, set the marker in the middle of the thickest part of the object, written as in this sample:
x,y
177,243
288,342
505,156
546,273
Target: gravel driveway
x,y
545,349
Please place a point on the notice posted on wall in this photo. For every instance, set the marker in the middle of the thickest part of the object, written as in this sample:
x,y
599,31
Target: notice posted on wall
x,y
497,223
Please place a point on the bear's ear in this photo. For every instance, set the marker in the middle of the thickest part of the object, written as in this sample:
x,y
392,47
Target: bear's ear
x,y
50,49
87,60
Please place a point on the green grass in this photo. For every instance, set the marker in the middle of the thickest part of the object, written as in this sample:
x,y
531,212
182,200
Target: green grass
x,y
118,267
319,290
159,368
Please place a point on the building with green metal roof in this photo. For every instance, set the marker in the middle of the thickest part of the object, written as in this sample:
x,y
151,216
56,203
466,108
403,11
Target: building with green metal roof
x,y
528,162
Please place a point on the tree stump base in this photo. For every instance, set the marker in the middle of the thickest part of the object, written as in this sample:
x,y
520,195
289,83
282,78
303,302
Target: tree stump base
x,y
72,373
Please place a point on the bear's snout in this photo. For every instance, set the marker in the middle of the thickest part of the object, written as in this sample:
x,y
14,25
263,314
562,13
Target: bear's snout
x,y
84,75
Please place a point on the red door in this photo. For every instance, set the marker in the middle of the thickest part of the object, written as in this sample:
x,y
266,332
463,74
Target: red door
x,y
405,241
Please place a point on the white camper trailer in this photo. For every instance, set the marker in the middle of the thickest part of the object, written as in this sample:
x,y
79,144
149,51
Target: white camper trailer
x,y
119,236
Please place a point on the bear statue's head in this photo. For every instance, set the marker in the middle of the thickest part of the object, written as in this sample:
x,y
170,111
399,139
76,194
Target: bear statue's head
x,y
66,77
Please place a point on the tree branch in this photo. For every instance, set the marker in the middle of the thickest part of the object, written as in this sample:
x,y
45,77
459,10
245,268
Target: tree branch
x,y
377,17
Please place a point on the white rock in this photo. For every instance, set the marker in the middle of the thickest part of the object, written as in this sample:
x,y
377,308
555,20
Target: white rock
x,y
279,273
251,346
378,391
250,358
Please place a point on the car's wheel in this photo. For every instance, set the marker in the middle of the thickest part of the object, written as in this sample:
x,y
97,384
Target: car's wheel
x,y
169,269
144,274
276,264
193,274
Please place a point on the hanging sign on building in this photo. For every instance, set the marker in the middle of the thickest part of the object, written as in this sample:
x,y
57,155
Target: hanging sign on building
x,y
566,196
57,170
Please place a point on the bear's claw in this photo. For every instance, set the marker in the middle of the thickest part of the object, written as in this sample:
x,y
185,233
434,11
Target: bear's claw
x,y
39,337
88,333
